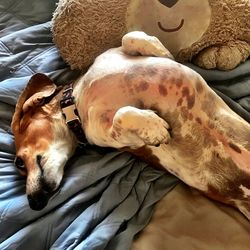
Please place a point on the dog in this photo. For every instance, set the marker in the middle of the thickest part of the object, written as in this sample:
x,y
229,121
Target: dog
x,y
134,98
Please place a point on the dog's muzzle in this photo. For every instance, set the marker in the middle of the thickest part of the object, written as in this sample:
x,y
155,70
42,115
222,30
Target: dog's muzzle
x,y
38,200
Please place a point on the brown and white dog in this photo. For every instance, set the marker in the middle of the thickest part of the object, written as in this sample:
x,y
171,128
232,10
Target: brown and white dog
x,y
136,99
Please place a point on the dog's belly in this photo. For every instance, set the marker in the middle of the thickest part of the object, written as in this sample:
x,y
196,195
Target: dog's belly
x,y
116,80
150,83
195,114
203,139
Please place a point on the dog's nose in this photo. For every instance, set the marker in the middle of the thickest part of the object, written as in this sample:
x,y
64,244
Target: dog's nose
x,y
38,200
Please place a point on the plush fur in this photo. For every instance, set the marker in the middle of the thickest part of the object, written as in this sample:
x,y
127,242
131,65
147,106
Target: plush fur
x,y
84,29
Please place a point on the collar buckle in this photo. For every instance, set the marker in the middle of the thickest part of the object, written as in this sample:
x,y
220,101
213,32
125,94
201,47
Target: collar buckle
x,y
69,113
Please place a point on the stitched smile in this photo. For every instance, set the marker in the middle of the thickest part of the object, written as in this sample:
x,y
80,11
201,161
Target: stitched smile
x,y
171,29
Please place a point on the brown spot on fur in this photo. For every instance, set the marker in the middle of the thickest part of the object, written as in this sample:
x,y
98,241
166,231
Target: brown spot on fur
x,y
191,145
190,98
234,147
116,132
190,116
162,90
209,140
140,104
113,134
142,86
227,180
179,102
199,86
155,107
185,92
187,145
198,119
184,113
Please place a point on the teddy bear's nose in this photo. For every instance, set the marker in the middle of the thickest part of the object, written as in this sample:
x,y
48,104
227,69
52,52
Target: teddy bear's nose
x,y
168,3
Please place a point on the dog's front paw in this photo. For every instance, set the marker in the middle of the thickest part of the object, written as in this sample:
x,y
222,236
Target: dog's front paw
x,y
140,127
154,131
139,43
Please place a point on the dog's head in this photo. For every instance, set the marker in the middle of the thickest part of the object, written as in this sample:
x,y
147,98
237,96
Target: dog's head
x,y
43,141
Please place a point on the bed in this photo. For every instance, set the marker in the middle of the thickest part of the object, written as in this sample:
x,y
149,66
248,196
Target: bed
x,y
108,199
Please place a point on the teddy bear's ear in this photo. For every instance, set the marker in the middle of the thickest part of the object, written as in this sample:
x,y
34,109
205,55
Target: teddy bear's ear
x,y
37,90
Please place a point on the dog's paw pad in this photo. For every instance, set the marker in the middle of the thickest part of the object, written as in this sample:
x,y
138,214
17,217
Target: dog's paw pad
x,y
155,133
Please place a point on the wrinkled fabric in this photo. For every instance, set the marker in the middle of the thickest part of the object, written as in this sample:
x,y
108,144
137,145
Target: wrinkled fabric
x,y
185,219
106,196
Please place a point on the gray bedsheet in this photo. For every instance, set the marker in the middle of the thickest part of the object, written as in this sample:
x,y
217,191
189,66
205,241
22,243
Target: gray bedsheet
x,y
106,196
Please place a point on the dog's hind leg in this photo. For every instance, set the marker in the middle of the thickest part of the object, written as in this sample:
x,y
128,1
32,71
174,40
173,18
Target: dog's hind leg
x,y
134,128
139,43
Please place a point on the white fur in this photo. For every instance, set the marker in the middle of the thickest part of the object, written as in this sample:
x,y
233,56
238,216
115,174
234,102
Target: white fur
x,y
133,128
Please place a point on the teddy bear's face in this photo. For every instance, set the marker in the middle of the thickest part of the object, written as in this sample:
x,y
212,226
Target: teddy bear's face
x,y
177,23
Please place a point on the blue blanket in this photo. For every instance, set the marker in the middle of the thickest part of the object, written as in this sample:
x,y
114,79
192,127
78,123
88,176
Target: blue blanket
x,y
106,196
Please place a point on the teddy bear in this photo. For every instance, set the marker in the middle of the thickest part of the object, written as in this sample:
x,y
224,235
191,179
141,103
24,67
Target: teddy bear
x,y
213,34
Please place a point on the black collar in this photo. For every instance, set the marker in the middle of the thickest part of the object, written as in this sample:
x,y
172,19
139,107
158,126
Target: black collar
x,y
71,115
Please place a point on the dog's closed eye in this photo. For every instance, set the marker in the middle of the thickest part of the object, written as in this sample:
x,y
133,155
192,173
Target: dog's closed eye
x,y
19,163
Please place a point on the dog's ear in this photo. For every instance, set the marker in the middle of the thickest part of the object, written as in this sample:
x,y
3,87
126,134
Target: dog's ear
x,y
37,90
